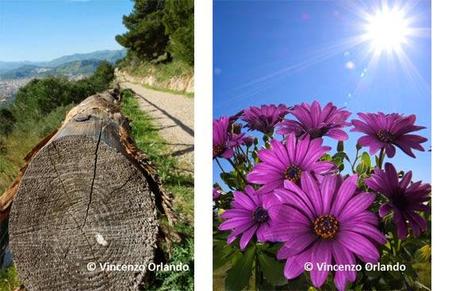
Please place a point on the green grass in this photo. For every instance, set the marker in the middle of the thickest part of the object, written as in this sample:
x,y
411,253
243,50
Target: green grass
x,y
167,71
8,279
26,134
163,72
147,138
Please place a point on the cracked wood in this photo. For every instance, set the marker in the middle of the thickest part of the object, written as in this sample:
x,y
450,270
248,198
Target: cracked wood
x,y
87,195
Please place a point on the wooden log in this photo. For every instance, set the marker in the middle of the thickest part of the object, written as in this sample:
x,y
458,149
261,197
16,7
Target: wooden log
x,y
87,196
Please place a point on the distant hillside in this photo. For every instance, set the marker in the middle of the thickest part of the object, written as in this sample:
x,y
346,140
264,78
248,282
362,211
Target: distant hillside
x,y
83,67
109,55
31,69
7,66
70,69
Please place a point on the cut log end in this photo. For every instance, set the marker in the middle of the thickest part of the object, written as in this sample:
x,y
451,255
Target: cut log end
x,y
82,201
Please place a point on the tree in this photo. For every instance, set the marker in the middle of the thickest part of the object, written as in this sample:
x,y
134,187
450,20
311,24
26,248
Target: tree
x,y
159,27
178,20
146,34
102,77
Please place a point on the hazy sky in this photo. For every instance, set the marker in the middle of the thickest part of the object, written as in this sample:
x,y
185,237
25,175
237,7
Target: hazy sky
x,y
40,30
298,51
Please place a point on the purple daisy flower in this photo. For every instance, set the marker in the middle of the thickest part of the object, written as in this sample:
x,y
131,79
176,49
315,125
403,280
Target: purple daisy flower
x,y
384,131
316,122
288,161
249,215
223,140
264,118
325,223
216,193
405,199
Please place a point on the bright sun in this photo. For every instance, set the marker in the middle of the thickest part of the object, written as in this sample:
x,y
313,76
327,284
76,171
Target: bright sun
x,y
387,29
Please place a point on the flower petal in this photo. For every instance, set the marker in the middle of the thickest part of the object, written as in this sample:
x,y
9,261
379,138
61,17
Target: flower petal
x,y
246,237
359,245
356,205
296,245
310,186
321,254
295,265
345,192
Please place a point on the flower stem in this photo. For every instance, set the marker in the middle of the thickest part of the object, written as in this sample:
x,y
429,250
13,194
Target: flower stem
x,y
220,166
237,170
381,157
354,162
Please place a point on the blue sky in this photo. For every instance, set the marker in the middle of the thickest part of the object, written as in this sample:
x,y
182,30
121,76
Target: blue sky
x,y
39,30
300,51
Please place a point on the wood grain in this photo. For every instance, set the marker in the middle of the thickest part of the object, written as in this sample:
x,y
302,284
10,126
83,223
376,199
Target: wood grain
x,y
88,195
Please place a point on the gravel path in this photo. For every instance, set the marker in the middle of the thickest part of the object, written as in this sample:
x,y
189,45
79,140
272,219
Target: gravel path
x,y
174,115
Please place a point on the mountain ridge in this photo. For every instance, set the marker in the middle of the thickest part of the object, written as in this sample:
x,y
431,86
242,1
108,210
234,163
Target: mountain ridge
x,y
109,55
69,69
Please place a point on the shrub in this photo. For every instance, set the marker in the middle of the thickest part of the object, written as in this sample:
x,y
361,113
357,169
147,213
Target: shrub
x,y
7,121
41,96
102,77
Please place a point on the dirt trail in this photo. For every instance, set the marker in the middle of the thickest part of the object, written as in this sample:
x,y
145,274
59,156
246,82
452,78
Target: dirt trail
x,y
174,115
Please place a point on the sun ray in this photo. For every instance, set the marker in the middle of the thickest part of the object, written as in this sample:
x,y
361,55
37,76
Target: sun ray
x,y
321,54
382,32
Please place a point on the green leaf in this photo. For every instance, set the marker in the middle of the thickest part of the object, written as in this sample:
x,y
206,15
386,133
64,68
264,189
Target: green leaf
x,y
340,156
222,253
360,169
326,157
239,274
229,179
366,160
365,165
341,167
271,269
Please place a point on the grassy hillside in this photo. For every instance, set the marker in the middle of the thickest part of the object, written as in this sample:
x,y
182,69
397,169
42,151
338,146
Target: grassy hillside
x,y
161,71
40,107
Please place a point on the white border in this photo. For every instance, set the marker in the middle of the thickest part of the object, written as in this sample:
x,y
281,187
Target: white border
x,y
203,144
446,145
